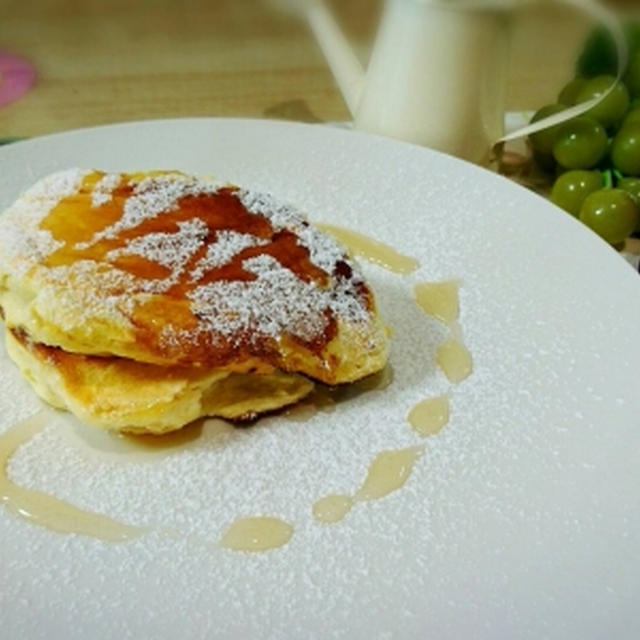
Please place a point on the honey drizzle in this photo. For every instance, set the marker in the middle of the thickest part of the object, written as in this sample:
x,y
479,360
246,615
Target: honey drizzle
x,y
218,211
221,210
36,507
438,299
371,250
47,511
455,360
256,534
430,415
332,508
387,473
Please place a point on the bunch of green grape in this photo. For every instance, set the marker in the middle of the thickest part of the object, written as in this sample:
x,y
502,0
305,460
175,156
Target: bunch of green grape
x,y
595,158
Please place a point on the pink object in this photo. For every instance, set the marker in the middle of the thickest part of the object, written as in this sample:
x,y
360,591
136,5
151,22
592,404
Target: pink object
x,y
16,77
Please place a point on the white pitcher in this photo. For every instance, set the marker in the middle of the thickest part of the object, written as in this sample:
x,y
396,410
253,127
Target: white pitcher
x,y
437,74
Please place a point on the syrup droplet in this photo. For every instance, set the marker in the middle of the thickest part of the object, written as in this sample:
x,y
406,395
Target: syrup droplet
x,y
256,534
429,416
388,472
332,508
371,250
454,359
45,510
439,299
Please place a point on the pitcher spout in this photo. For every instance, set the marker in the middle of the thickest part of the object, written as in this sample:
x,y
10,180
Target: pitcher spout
x,y
344,65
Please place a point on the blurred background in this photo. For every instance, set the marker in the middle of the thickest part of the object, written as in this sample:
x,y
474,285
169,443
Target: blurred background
x,y
102,61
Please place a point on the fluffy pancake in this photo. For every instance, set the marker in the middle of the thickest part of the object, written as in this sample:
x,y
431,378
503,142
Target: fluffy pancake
x,y
119,394
169,269
141,302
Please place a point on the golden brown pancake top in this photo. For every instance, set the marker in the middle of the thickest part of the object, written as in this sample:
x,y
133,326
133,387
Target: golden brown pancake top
x,y
205,273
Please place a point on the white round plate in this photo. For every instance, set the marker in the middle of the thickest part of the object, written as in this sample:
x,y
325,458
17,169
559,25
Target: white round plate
x,y
522,518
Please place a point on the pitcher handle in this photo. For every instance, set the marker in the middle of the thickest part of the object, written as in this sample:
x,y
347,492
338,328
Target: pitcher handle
x,y
612,23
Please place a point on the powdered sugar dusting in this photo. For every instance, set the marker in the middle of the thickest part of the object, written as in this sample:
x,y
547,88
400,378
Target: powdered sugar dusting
x,y
226,245
103,189
281,216
102,293
57,185
176,337
324,251
171,250
22,249
22,243
276,302
155,195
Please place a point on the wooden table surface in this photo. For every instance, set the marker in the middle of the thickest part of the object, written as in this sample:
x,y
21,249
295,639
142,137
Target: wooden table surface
x,y
101,61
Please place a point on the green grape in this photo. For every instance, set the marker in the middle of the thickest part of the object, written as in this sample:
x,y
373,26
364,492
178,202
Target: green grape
x,y
572,187
598,55
635,104
632,187
612,109
580,144
542,141
632,116
632,76
611,213
625,149
569,93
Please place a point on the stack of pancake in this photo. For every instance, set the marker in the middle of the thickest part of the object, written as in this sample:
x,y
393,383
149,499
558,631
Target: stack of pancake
x,y
143,301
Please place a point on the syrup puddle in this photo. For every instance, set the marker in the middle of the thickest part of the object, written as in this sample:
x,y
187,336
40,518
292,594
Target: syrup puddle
x,y
454,359
47,511
36,507
371,250
430,415
256,534
388,471
332,508
439,299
